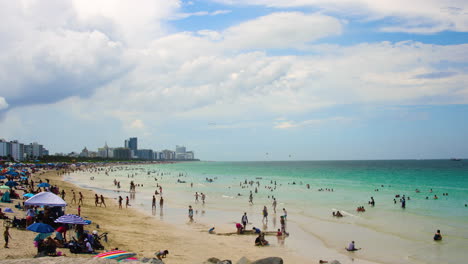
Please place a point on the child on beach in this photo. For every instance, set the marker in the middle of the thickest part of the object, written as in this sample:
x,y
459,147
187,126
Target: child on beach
x,y
437,236
190,213
352,247
7,236
161,254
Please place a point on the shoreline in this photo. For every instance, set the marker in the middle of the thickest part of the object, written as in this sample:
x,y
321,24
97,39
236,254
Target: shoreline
x,y
133,231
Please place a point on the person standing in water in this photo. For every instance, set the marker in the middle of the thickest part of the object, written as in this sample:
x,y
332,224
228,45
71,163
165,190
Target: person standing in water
x,y
244,220
274,205
190,213
127,202
161,202
265,214
120,202
153,204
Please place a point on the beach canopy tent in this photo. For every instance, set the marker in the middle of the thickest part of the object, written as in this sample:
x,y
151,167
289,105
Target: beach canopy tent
x,y
8,210
71,219
45,199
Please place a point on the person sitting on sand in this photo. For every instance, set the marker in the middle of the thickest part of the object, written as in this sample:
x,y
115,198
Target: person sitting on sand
x,y
260,240
437,236
161,254
352,247
212,230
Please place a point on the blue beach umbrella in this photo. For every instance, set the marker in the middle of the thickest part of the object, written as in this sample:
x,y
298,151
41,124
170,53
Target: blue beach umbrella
x,y
44,184
8,210
40,228
2,177
11,183
28,195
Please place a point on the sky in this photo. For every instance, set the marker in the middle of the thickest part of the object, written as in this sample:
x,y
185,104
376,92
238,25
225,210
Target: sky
x,y
238,79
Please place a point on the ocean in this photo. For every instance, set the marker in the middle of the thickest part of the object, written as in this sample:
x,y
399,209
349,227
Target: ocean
x,y
387,232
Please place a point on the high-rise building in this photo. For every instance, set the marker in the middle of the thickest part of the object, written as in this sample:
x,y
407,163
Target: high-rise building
x,y
5,148
132,143
145,154
17,150
122,153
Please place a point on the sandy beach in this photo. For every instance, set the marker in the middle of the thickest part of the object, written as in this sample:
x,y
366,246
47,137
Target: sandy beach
x,y
136,232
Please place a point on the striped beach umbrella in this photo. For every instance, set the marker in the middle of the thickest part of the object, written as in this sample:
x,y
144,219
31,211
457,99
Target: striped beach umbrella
x,y
71,219
115,254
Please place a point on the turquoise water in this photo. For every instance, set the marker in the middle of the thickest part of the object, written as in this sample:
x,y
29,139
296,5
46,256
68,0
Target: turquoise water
x,y
388,233
355,179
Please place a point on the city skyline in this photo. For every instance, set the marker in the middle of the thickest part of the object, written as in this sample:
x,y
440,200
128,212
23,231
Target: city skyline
x,y
235,80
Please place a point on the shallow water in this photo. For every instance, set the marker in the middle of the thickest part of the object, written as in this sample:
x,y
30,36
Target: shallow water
x,y
387,233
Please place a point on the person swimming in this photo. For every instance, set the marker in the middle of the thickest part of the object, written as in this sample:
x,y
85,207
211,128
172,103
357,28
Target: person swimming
x,y
437,236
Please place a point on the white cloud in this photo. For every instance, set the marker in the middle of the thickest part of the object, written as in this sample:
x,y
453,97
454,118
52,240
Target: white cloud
x,y
287,124
200,13
416,16
281,30
137,123
3,103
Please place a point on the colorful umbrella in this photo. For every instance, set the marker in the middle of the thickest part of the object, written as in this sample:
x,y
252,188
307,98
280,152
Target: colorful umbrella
x,y
44,184
2,177
5,187
71,219
42,236
8,210
11,183
28,195
40,228
116,254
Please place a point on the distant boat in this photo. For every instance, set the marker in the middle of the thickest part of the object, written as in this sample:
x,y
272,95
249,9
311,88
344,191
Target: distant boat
x,y
455,159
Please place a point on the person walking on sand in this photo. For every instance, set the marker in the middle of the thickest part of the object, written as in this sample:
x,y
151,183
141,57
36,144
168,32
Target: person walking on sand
x,y
190,213
161,202
102,201
79,210
196,197
120,202
244,220
265,214
63,194
153,204
96,199
6,236
80,200
73,201
127,202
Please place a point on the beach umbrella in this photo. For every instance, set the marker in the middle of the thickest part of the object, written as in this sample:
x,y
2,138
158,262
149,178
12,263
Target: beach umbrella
x,y
8,210
2,177
44,184
115,254
71,219
28,195
40,228
42,236
11,183
4,187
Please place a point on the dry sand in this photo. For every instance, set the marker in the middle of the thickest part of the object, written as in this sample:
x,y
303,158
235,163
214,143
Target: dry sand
x,y
137,232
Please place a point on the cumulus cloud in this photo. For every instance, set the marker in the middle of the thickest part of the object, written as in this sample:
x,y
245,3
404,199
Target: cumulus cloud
x,y
417,16
52,50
